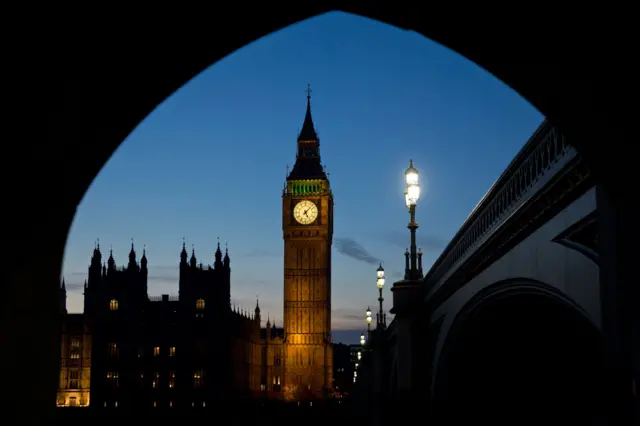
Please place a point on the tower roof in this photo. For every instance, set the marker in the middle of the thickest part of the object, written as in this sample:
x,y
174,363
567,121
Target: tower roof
x,y
308,132
308,167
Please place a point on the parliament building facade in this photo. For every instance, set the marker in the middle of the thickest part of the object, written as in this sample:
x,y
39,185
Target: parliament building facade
x,y
130,350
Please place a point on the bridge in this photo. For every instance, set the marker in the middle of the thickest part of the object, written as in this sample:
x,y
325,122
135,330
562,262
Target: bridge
x,y
510,311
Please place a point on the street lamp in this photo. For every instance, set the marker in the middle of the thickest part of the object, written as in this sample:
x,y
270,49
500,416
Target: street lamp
x,y
380,284
359,355
368,319
362,340
411,197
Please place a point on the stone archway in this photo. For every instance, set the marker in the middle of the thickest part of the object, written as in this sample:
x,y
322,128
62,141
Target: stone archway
x,y
90,99
522,356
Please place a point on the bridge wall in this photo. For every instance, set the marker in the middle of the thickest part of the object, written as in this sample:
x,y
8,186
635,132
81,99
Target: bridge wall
x,y
541,259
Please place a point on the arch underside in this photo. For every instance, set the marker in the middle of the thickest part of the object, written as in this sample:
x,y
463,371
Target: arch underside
x,y
520,350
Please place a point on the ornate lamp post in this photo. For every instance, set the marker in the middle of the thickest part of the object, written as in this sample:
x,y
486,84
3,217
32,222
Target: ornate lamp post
x,y
362,340
406,295
411,197
368,319
381,317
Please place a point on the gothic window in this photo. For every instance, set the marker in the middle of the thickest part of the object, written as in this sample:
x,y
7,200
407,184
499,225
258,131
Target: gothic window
x,y
113,305
113,349
73,402
172,379
200,304
156,351
74,379
172,351
74,348
198,378
112,378
156,380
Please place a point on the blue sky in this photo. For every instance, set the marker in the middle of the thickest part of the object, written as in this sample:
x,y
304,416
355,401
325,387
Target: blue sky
x,y
211,160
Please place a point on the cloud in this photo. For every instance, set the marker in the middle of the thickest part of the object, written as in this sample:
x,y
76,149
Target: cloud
x,y
428,243
347,315
395,275
261,253
348,337
74,286
351,248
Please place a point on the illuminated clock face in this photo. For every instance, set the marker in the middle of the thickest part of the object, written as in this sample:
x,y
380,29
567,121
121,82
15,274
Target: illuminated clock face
x,y
305,212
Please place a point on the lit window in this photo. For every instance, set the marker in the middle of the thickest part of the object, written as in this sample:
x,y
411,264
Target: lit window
x,y
156,351
154,404
197,378
74,348
113,305
112,377
170,403
172,378
156,380
200,304
115,404
172,351
74,379
113,349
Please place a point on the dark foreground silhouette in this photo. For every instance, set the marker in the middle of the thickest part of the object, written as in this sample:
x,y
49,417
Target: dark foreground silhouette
x,y
239,413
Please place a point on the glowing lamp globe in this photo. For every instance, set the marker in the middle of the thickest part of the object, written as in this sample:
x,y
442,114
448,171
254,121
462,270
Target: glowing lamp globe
x,y
412,186
380,277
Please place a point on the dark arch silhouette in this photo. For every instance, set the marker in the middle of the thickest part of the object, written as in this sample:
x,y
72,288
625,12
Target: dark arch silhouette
x,y
88,83
520,350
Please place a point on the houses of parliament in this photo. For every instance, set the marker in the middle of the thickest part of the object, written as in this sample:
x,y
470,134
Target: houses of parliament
x,y
130,350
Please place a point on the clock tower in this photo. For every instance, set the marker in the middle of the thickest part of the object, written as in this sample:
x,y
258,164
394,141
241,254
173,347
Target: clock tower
x,y
307,228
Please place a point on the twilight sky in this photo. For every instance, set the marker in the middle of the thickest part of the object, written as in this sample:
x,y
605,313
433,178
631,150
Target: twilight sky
x,y
211,161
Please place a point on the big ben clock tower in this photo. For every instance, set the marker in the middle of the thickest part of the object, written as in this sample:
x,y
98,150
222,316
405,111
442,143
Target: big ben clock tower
x,y
307,227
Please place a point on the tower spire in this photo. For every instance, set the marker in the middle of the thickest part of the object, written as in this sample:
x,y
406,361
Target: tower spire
x,y
308,132
308,164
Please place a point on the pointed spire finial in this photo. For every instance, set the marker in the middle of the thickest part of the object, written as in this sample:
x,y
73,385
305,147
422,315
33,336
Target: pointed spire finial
x,y
183,242
218,242
98,243
308,92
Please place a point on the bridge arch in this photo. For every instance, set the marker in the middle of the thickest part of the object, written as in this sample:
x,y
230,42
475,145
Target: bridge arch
x,y
516,342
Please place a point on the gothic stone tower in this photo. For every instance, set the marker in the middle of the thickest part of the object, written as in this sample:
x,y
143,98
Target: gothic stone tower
x,y
307,226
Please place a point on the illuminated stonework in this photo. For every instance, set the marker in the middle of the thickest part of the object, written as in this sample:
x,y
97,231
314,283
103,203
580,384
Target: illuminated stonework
x,y
307,272
75,363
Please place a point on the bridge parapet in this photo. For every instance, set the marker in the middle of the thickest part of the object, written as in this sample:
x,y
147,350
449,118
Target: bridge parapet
x,y
544,154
